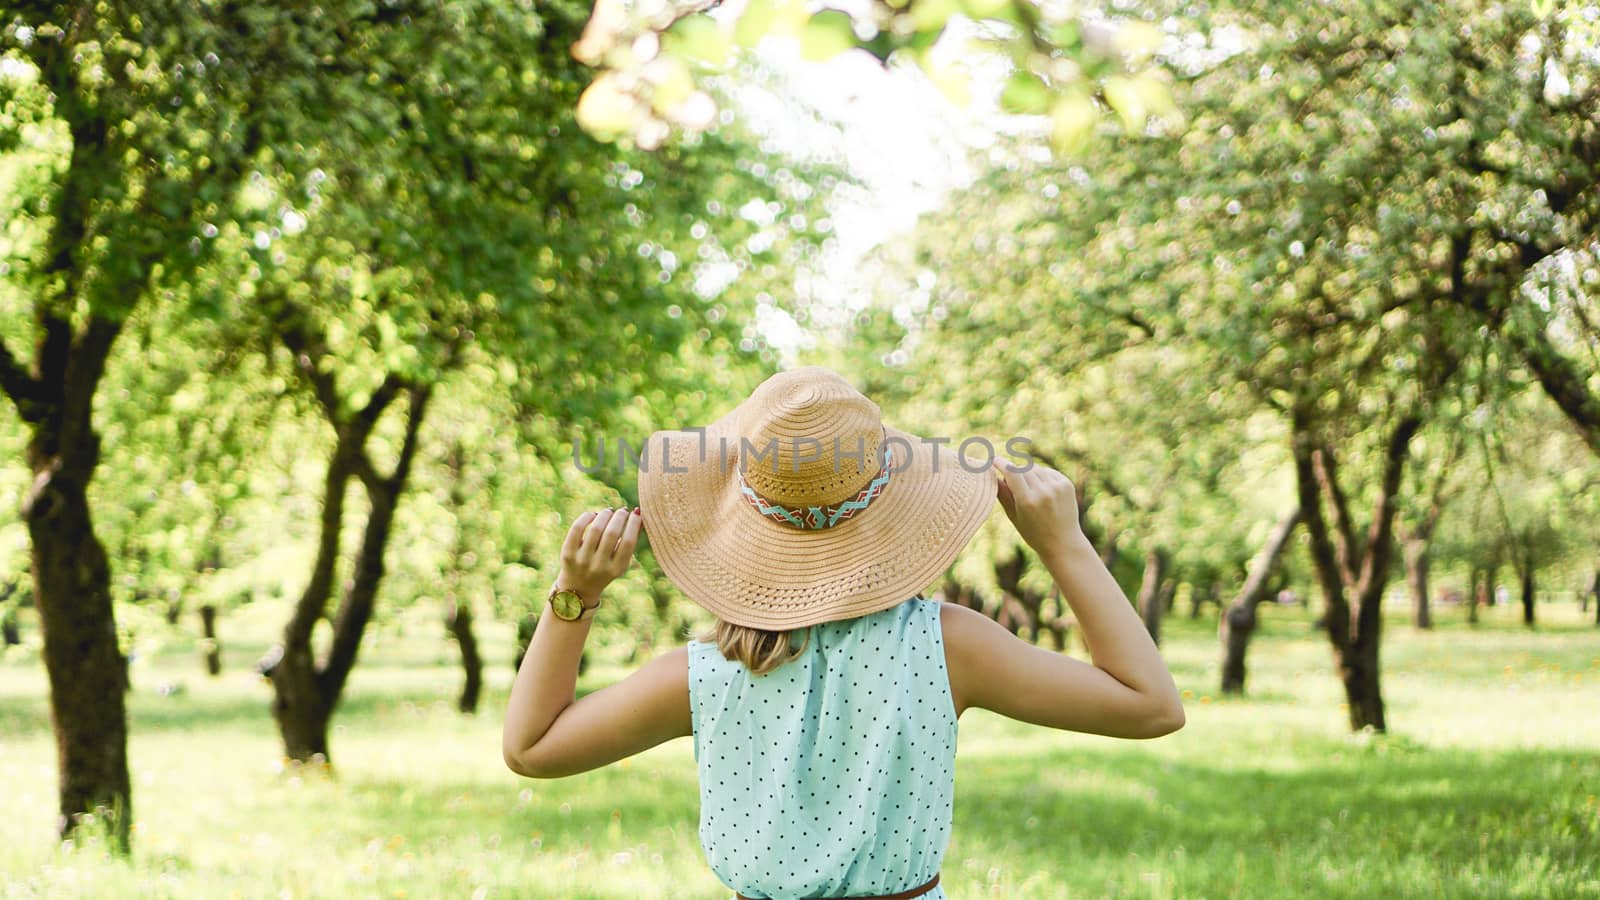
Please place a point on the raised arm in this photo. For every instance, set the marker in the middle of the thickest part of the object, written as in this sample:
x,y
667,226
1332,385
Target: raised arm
x,y
548,733
1127,692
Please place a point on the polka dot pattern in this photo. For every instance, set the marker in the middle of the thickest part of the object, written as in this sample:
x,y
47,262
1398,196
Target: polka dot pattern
x,y
833,775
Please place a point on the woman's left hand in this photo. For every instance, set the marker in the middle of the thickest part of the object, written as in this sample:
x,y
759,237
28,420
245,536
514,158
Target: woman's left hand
x,y
598,549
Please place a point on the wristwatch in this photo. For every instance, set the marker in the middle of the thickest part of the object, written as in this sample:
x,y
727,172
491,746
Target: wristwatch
x,y
568,604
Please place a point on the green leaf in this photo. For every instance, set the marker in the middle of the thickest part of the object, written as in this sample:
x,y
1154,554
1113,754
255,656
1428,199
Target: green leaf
x,y
701,39
929,15
1066,36
922,40
984,9
1124,97
1025,94
764,17
756,23
1072,121
605,110
826,35
881,46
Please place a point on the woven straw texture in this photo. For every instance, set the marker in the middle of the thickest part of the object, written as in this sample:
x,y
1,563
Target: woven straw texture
x,y
753,570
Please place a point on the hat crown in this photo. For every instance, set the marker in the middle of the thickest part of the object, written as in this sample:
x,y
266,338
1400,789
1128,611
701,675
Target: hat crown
x,y
808,438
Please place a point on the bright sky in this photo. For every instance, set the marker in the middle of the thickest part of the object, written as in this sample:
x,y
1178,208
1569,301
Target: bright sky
x,y
900,135
895,130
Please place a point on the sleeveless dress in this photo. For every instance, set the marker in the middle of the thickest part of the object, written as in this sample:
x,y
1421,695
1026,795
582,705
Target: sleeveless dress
x,y
834,774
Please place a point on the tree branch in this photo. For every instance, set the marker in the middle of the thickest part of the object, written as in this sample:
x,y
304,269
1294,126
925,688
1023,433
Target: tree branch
x,y
1327,475
309,349
362,423
86,363
1323,556
23,389
1561,380
1380,537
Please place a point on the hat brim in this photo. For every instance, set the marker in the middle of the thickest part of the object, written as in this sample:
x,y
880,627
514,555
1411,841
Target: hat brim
x,y
752,570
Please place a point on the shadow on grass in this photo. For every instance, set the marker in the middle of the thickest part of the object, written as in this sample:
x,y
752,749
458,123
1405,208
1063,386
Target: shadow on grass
x,y
594,811
1393,821
1378,809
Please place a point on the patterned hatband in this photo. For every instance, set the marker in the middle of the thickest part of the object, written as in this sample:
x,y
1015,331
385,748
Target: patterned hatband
x,y
818,517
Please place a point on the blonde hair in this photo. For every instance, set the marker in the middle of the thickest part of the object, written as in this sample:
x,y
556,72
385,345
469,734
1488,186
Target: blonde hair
x,y
760,650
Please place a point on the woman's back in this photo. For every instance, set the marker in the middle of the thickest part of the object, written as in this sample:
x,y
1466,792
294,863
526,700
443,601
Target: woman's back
x,y
834,774
831,776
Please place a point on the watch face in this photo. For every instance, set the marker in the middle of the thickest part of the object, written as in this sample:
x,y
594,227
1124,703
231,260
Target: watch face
x,y
567,604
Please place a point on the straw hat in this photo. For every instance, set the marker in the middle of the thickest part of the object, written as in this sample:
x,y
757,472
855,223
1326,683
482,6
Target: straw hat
x,y
801,506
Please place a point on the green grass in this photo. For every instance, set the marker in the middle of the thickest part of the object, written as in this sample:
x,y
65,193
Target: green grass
x,y
1486,786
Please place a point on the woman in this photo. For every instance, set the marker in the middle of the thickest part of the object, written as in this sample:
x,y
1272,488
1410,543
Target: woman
x,y
823,704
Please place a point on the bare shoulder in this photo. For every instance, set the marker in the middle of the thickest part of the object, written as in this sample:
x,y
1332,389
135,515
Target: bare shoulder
x,y
964,626
993,669
969,636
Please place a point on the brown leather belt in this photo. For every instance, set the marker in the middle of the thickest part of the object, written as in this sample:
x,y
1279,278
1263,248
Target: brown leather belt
x,y
903,895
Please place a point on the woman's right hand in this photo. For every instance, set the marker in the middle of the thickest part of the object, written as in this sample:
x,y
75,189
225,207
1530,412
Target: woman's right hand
x,y
1127,691
1042,504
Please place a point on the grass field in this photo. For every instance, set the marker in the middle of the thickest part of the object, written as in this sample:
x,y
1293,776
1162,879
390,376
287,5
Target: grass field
x,y
1486,786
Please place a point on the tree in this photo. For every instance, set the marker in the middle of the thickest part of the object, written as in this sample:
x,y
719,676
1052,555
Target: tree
x,y
548,258
1351,572
1321,237
1594,594
134,130
1066,66
1417,530
1238,622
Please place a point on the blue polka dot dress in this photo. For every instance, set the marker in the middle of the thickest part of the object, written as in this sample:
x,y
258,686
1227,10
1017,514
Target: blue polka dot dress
x,y
834,774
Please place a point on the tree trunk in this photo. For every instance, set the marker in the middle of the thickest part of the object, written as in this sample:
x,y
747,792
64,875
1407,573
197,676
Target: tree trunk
x,y
316,689
1352,576
1416,556
1013,617
305,691
1022,608
1169,594
525,629
208,639
1527,593
1238,623
10,631
1478,595
1197,598
1108,552
1103,542
299,705
1358,669
1060,622
88,673
459,621
458,618
72,589
1150,601
301,711
1594,590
